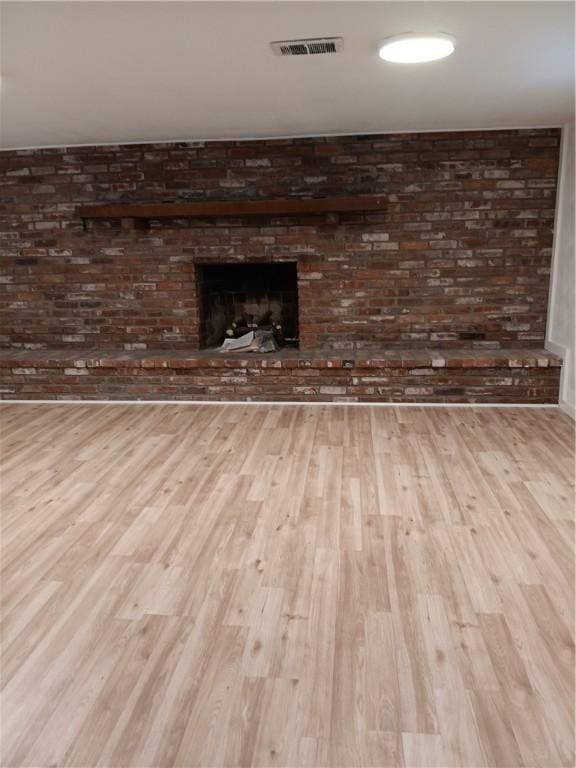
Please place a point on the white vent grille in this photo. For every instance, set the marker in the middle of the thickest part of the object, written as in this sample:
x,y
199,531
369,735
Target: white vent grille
x,y
311,47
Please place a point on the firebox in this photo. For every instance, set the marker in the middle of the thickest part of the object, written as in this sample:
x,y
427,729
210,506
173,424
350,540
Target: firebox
x,y
239,298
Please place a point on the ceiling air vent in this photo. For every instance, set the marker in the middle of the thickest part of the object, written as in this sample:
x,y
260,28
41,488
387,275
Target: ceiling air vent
x,y
310,47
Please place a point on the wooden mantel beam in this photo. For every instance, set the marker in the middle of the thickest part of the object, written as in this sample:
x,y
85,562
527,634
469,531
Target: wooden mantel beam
x,y
208,209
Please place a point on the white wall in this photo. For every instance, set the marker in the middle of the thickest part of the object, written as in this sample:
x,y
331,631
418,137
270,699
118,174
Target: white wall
x,y
561,318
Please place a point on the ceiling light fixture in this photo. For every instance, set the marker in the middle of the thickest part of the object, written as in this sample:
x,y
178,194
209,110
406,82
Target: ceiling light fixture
x,y
416,49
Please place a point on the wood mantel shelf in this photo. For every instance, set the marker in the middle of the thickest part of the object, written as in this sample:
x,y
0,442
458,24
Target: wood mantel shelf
x,y
234,208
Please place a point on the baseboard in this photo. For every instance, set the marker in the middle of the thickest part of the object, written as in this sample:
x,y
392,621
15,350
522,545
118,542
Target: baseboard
x,y
568,408
564,353
279,403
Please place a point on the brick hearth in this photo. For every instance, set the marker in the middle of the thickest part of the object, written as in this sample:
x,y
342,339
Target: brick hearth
x,y
502,376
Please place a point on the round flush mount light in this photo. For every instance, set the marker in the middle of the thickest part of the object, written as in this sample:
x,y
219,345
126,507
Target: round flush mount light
x,y
416,49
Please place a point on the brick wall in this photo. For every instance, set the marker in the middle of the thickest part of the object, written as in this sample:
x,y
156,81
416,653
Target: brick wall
x,y
460,258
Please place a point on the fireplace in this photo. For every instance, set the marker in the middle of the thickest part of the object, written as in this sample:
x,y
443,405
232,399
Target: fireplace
x,y
239,298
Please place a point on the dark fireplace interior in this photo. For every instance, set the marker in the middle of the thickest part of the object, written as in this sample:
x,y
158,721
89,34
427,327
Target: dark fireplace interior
x,y
237,298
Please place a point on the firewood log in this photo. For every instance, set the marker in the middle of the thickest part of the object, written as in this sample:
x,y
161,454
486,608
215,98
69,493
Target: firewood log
x,y
240,322
265,319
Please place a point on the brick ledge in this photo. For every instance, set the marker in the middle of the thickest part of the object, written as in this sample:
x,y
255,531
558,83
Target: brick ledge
x,y
285,359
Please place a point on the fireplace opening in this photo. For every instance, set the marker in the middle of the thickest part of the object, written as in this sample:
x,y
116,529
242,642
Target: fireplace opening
x,y
237,299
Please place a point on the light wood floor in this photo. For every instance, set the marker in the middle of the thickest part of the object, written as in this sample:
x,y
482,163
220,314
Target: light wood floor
x,y
286,586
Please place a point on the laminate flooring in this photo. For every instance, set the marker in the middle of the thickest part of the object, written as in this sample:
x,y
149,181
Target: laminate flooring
x,y
291,585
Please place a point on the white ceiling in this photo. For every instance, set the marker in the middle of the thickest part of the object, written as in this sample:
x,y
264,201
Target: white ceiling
x,y
96,72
